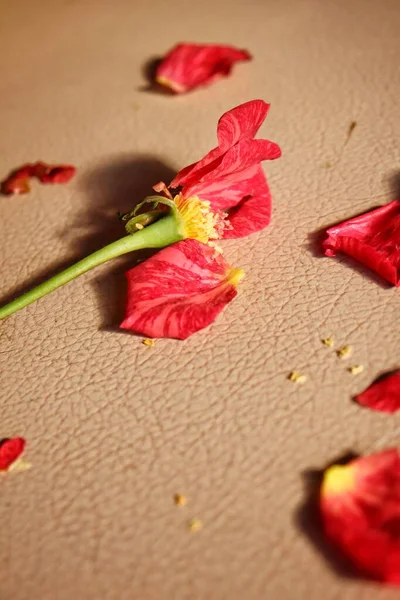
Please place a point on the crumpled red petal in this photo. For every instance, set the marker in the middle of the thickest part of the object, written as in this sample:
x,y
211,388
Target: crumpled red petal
x,y
360,510
18,181
53,173
179,291
372,238
188,66
382,395
10,450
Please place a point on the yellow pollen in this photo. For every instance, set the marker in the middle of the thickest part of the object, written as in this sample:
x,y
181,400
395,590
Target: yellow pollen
x,y
338,479
200,223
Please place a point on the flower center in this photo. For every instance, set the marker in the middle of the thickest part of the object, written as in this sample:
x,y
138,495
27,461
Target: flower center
x,y
200,223
338,479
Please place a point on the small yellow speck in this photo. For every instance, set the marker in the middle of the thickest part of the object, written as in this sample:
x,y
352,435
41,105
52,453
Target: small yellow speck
x,y
356,369
148,342
139,226
195,525
327,165
297,377
344,352
180,500
328,342
19,465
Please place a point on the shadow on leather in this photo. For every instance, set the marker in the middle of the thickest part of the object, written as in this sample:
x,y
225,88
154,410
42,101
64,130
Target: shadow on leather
x,y
308,521
116,185
149,70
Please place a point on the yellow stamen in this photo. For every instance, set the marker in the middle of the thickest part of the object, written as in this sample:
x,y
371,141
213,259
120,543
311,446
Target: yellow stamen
x,y
338,479
195,525
180,499
200,223
297,377
344,352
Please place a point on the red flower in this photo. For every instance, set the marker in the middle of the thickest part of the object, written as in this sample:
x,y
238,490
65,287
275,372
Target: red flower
x,y
360,509
188,66
372,238
10,450
230,176
18,181
383,395
179,290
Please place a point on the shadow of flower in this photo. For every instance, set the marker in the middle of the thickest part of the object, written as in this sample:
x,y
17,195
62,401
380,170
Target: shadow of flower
x,y
116,185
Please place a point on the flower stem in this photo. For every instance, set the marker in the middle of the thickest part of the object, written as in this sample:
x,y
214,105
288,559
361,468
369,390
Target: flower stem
x,y
158,235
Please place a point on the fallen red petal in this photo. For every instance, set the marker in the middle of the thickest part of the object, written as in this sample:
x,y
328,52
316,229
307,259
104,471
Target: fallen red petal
x,y
10,450
15,185
383,395
188,66
18,181
360,510
179,291
372,238
53,173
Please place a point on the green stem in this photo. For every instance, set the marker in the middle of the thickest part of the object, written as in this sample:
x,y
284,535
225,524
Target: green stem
x,y
158,235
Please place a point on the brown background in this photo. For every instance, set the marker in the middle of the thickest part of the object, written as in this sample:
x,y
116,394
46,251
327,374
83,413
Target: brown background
x,y
114,429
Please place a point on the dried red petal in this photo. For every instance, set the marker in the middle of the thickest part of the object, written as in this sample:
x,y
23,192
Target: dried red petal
x,y
18,181
179,290
383,395
53,173
188,66
10,450
15,185
360,509
372,238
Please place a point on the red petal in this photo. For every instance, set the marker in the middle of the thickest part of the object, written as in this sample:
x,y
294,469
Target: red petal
x,y
10,450
372,238
53,173
253,213
18,181
188,66
179,290
15,185
239,123
360,509
383,395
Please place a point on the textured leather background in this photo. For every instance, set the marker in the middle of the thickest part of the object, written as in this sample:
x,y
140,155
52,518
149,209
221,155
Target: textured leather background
x,y
114,429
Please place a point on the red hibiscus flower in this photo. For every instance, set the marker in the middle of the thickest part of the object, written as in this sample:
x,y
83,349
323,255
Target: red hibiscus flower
x,y
183,288
372,238
10,450
360,509
188,66
383,394
18,181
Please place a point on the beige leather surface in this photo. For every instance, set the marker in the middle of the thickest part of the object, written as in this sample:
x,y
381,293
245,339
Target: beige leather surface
x,y
114,429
